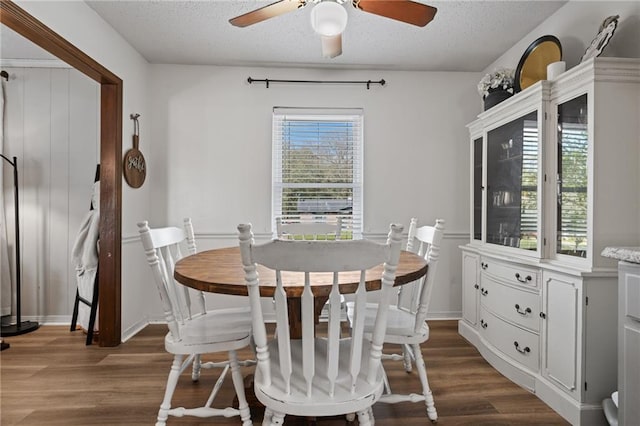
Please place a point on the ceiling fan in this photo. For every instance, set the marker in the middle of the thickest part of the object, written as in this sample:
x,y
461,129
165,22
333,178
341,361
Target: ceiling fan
x,y
329,17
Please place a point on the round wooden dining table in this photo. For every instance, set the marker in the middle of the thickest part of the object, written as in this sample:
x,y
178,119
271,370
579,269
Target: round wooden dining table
x,y
220,271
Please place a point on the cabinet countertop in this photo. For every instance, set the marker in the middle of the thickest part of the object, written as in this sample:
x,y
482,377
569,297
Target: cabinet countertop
x,y
627,254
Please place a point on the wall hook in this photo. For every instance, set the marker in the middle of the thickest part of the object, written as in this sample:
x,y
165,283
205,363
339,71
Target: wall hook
x,y
136,125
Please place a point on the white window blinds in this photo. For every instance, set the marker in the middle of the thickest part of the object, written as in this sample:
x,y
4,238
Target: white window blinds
x,y
317,166
529,185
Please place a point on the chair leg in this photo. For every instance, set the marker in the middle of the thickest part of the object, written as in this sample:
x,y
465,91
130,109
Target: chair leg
x,y
363,418
426,390
387,386
172,382
372,419
93,309
266,420
406,352
74,316
197,366
277,419
238,384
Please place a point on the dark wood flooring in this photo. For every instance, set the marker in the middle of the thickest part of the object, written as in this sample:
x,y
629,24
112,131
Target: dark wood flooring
x,y
49,377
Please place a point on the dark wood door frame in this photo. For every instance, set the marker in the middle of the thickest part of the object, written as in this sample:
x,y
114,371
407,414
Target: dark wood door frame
x,y
109,318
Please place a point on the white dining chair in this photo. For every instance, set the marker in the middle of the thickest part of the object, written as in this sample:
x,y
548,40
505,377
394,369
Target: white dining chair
x,y
192,329
317,375
314,229
406,324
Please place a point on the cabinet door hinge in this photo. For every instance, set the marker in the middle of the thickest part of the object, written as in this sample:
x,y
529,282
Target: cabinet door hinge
x,y
545,177
545,115
544,241
586,301
585,385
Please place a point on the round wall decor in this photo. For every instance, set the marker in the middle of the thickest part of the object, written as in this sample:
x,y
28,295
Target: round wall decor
x,y
134,167
533,64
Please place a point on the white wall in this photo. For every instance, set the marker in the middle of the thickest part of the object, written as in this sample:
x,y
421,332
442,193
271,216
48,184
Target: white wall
x,y
212,151
52,117
207,130
81,26
576,25
210,132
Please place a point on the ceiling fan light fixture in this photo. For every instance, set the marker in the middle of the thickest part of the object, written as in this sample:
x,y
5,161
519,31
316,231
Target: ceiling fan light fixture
x,y
328,18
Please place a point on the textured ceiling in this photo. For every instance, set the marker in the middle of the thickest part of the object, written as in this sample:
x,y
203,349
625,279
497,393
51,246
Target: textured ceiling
x,y
464,36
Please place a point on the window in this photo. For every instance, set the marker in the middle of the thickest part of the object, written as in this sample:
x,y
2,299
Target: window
x,y
317,166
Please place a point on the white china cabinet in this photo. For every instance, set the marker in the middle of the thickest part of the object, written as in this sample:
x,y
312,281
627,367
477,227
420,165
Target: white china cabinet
x,y
555,178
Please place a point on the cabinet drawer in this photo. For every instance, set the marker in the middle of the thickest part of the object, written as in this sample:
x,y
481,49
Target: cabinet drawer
x,y
510,273
520,345
519,306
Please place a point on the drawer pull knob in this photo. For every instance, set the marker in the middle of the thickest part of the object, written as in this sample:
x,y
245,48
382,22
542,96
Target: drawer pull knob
x,y
476,286
483,323
523,280
543,315
484,292
484,265
526,350
521,312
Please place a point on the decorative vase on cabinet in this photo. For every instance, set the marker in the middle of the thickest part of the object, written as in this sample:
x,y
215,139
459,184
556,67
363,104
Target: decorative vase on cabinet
x,y
554,180
494,97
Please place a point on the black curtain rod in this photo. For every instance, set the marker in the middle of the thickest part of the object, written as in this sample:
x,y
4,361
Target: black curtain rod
x,y
267,81
4,75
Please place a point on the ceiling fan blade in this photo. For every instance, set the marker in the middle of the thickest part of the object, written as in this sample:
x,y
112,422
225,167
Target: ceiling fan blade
x,y
331,46
407,11
270,11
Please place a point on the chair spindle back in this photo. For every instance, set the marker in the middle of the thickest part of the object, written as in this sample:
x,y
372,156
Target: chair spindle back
x,y
163,248
424,241
307,260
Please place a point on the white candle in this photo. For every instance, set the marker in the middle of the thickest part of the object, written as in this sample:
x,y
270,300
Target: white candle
x,y
554,69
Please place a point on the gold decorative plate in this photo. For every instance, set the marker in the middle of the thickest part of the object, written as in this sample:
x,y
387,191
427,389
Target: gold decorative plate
x,y
533,64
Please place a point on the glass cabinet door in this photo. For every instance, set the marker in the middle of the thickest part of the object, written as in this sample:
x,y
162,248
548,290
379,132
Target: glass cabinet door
x,y
512,184
572,177
477,189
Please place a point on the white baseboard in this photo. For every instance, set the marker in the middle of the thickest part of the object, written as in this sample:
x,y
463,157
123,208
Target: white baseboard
x,y
41,319
437,316
134,329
